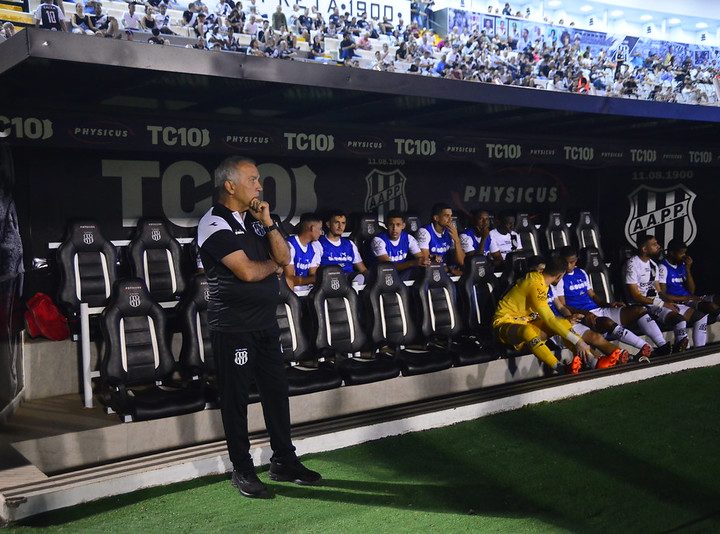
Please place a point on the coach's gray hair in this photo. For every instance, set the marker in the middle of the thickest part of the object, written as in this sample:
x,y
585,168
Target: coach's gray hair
x,y
226,171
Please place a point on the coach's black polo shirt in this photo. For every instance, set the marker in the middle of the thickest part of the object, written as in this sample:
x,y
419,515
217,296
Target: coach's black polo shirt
x,y
235,305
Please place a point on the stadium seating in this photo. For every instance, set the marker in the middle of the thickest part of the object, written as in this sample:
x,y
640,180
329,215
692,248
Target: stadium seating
x,y
556,233
303,373
367,226
412,224
515,267
591,261
436,314
476,307
137,365
340,336
587,232
529,238
156,257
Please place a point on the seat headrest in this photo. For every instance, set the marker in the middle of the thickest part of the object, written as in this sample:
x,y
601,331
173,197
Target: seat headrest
x,y
477,266
590,259
517,261
586,219
131,297
366,228
85,236
434,276
556,220
153,232
386,278
412,224
522,222
330,279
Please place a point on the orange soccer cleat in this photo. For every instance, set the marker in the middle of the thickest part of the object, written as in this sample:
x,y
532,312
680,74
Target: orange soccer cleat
x,y
574,366
610,360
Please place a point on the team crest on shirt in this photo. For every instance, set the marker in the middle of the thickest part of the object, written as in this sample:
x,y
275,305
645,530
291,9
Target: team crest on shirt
x,y
385,191
666,213
259,228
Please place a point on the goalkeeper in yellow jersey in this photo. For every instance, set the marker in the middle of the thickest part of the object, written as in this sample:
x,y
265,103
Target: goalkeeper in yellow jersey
x,y
523,319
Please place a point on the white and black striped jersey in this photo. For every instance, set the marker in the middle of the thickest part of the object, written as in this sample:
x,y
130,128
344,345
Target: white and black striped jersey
x,y
50,16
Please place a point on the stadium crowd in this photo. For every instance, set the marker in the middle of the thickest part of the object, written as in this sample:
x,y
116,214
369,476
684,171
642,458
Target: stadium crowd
x,y
407,45
551,297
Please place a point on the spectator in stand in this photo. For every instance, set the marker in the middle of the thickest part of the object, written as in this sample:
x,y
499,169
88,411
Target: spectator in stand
x,y
100,20
236,20
283,51
201,27
155,37
279,20
162,20
347,47
81,22
507,11
363,42
254,49
148,21
131,20
251,27
48,16
112,31
318,48
339,250
7,31
222,9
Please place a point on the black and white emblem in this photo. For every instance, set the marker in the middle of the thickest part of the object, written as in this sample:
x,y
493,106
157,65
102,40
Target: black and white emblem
x,y
259,228
665,213
388,280
88,238
385,192
134,299
241,356
155,235
335,284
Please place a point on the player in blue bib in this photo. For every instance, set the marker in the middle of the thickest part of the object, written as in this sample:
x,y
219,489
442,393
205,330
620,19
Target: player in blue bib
x,y
339,250
477,237
677,287
575,292
305,253
679,284
397,246
439,241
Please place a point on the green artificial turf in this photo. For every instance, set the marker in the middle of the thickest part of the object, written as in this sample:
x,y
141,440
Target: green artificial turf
x,y
641,457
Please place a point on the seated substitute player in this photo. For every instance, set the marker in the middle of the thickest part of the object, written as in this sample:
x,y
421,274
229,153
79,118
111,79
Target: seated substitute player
x,y
504,238
339,250
678,285
611,354
477,237
671,274
439,240
575,292
397,246
640,275
523,319
305,253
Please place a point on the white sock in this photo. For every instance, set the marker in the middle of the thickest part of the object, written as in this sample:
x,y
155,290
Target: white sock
x,y
650,328
627,337
680,331
700,332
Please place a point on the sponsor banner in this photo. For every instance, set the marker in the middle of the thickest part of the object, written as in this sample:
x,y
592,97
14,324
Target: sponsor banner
x,y
116,189
159,136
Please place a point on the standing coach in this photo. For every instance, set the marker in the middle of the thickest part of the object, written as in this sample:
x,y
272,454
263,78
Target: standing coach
x,y
243,253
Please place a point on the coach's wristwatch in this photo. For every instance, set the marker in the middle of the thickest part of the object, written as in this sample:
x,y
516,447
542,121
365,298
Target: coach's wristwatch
x,y
272,227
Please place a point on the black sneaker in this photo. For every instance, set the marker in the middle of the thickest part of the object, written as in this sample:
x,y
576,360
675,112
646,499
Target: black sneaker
x,y
293,471
680,346
249,485
663,350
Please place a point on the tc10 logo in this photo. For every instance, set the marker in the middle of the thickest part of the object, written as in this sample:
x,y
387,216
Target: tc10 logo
x,y
26,128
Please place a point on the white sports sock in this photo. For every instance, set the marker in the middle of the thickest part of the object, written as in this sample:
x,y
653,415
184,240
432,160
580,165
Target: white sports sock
x,y
626,336
680,331
650,328
700,332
